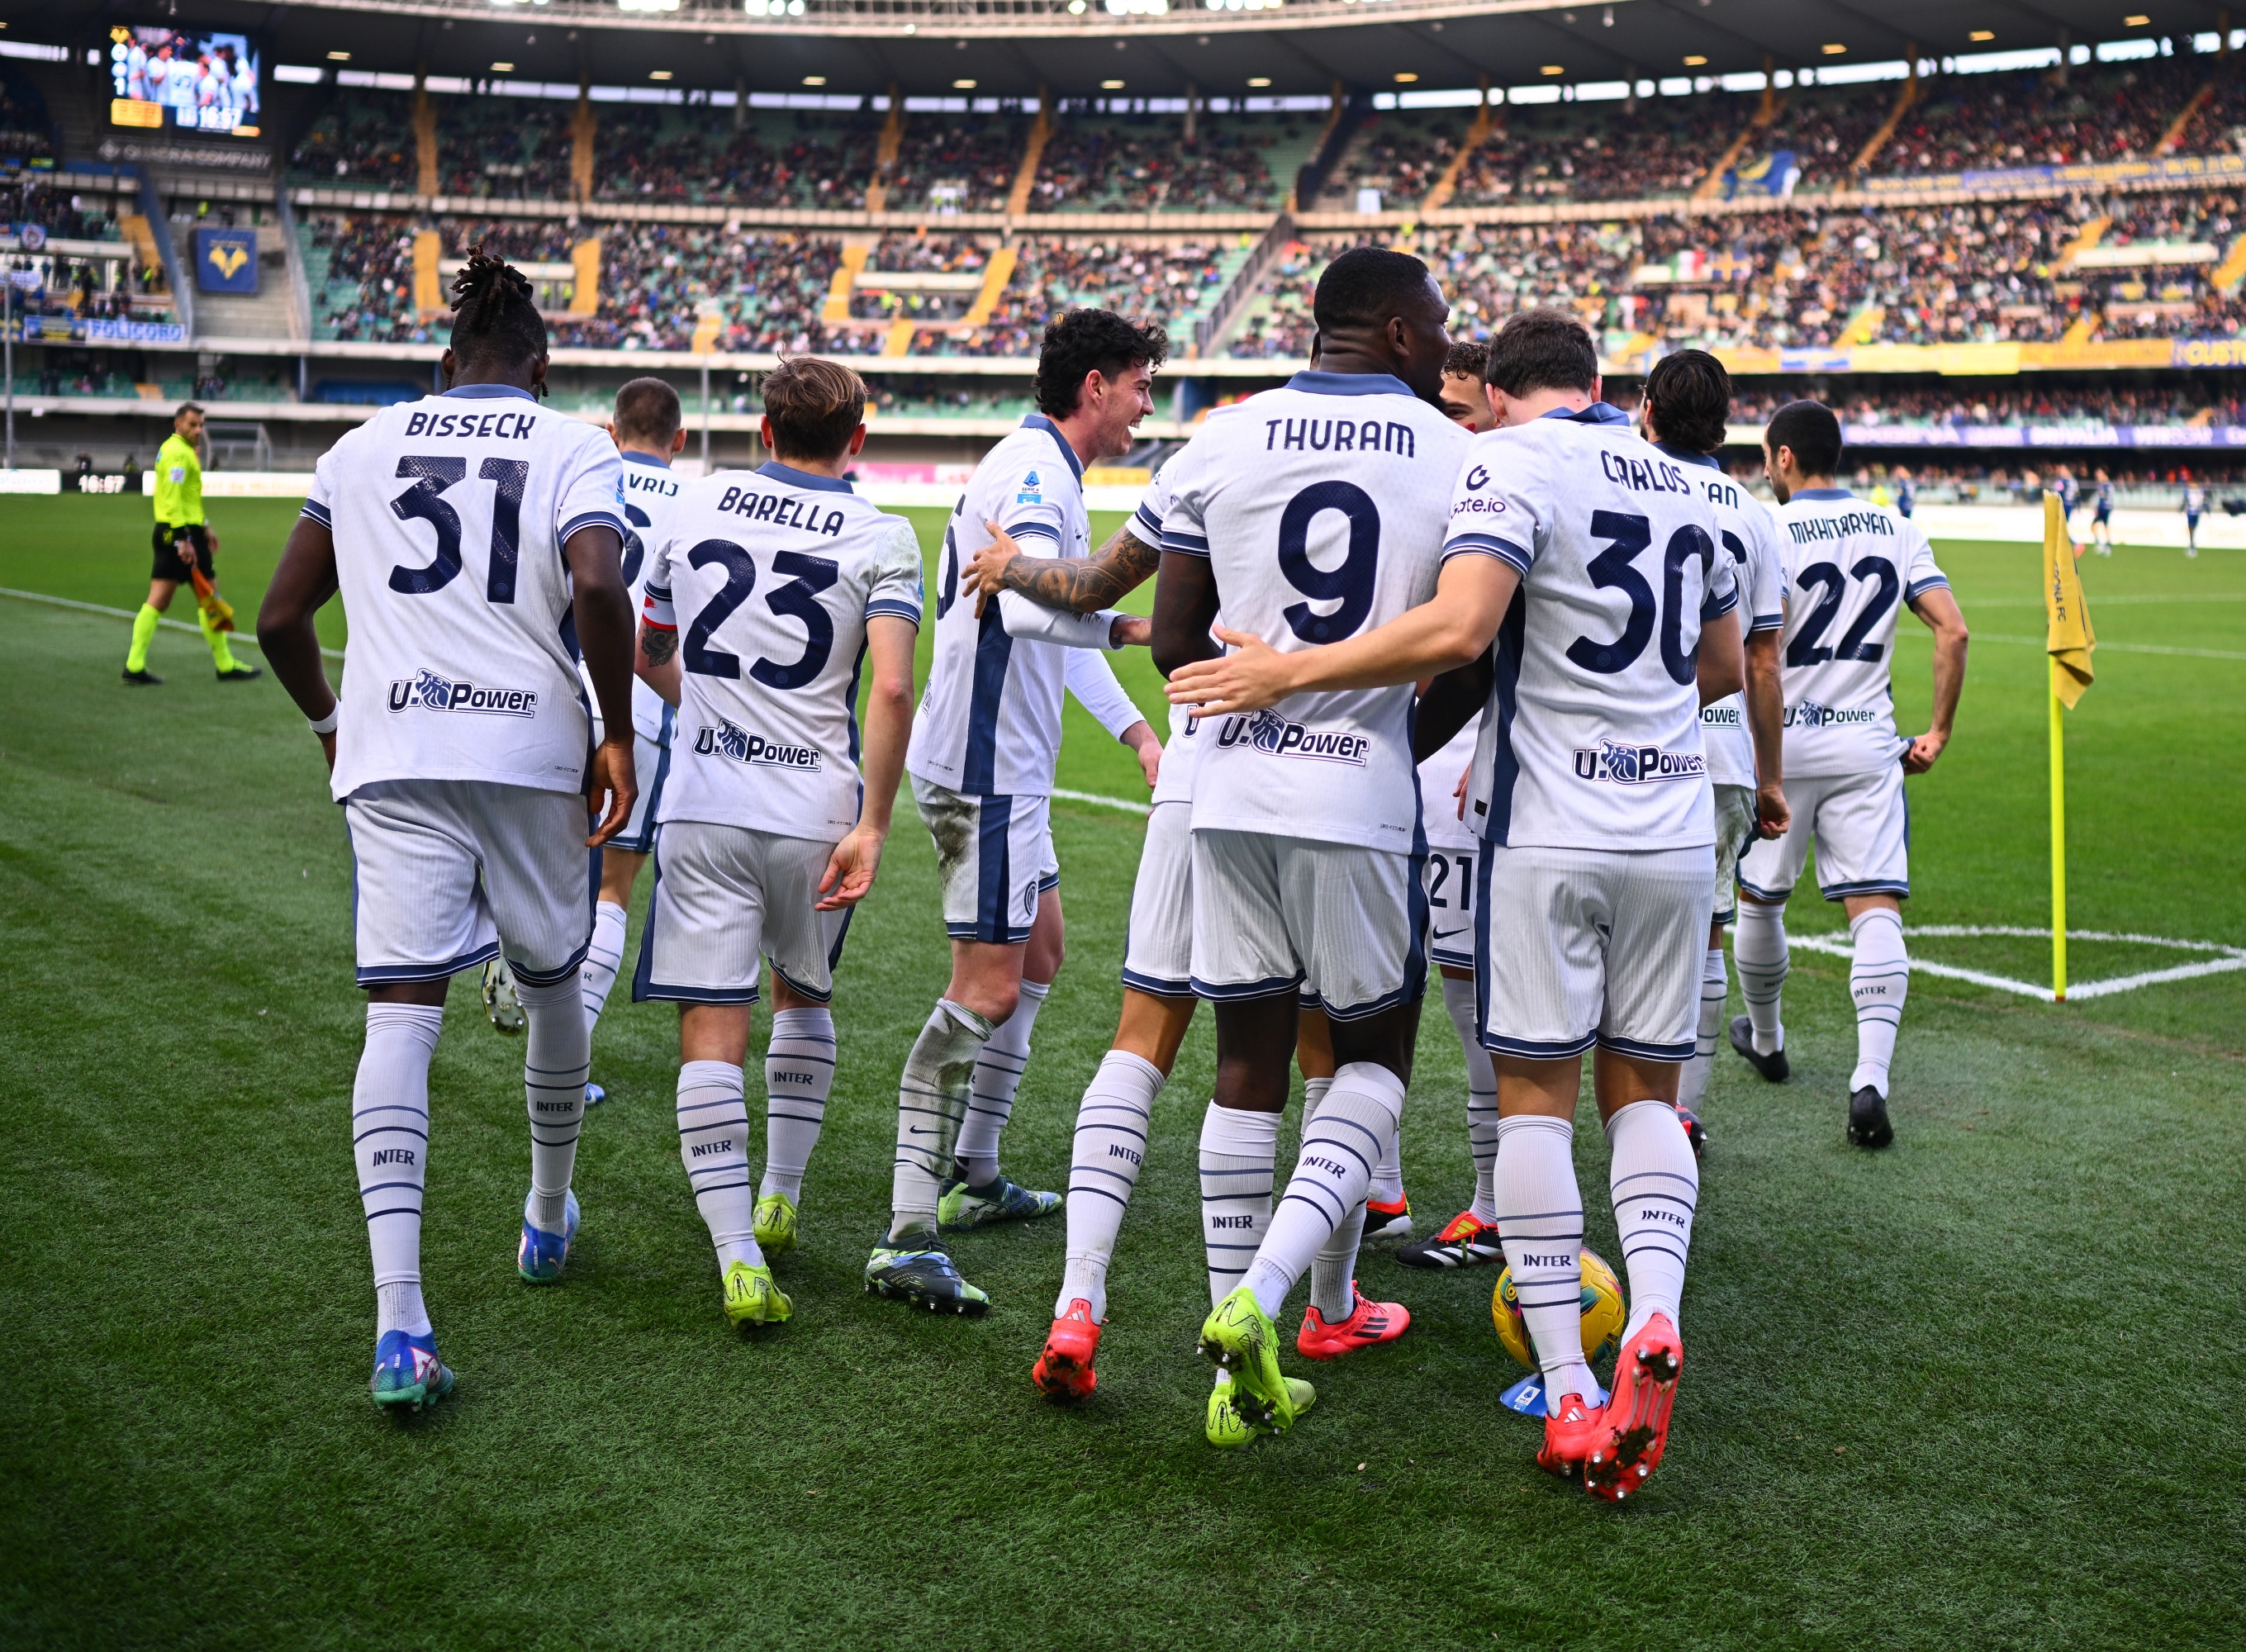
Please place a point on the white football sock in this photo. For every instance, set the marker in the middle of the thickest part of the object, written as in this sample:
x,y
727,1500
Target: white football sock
x,y
1656,1184
390,1139
932,1097
713,1144
1481,1094
1111,1125
1333,1270
602,959
1539,1213
558,1051
1341,1144
1758,949
799,1077
1388,1174
997,1075
1692,1081
1239,1160
1879,979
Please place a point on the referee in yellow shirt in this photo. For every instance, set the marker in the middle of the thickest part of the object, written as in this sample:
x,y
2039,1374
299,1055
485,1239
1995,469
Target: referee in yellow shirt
x,y
183,542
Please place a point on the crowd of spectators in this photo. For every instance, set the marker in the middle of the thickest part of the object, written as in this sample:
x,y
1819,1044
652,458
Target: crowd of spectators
x,y
958,163
1635,150
28,199
360,138
510,148
670,154
1400,154
1976,122
661,282
1145,164
367,295
1909,403
1168,283
1278,324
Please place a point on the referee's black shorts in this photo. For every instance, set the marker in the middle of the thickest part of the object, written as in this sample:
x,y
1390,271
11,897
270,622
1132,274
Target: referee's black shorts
x,y
168,565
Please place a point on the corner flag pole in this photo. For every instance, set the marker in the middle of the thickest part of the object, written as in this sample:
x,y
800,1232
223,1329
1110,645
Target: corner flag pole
x,y
2057,839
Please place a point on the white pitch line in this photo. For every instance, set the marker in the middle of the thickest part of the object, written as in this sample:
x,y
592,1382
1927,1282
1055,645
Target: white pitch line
x,y
1123,804
2110,600
249,637
2110,647
2231,958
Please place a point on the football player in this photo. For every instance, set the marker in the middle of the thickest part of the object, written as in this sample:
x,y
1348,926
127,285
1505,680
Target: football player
x,y
2102,516
471,535
1310,513
1848,566
765,594
1589,793
982,761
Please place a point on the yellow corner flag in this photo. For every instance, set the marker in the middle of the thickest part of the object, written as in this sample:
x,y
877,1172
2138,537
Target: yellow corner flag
x,y
2069,640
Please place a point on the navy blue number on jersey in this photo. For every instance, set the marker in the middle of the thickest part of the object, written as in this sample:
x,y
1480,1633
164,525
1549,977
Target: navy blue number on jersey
x,y
634,547
797,600
1614,569
1352,583
1808,647
432,474
947,584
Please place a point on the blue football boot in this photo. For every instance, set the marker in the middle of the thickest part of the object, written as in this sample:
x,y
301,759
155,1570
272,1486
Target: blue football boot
x,y
407,1372
542,1255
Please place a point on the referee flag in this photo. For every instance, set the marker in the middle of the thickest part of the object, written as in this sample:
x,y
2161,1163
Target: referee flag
x,y
2069,639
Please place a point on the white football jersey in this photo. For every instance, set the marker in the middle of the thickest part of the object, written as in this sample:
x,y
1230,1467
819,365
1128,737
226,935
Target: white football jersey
x,y
1320,507
769,577
449,515
989,721
651,491
1439,784
1176,783
1591,739
1849,565
1747,534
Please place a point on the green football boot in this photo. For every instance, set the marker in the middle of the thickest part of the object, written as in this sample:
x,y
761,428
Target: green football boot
x,y
775,1224
1227,1429
1239,1336
960,1206
753,1299
917,1271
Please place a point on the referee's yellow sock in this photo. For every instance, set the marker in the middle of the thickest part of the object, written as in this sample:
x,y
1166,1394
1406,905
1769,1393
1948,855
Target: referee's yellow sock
x,y
222,655
144,633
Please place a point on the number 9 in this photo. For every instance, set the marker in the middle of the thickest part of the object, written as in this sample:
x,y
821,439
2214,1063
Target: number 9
x,y
1352,583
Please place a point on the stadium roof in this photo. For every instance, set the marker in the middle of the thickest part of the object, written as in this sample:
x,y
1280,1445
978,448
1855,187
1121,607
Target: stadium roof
x,y
1155,48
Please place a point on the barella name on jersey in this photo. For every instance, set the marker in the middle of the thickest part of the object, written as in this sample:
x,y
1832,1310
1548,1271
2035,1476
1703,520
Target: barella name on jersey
x,y
1636,765
753,505
1269,732
429,692
730,740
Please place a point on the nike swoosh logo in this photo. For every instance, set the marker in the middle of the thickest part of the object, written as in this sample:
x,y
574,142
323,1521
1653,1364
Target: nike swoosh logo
x,y
1444,935
915,1130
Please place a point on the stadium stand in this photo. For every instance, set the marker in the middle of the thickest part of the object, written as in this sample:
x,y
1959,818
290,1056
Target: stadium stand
x,y
361,138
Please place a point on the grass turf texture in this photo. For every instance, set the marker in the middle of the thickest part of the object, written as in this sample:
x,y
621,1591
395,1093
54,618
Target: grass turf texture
x,y
1975,1390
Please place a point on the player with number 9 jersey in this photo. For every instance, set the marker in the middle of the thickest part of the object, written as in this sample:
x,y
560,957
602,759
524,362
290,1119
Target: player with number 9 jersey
x,y
769,579
448,513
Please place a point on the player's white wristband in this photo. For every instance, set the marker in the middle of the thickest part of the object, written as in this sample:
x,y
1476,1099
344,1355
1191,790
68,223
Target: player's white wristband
x,y
327,724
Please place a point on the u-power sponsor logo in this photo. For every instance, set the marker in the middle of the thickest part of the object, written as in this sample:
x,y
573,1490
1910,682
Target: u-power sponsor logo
x,y
730,740
427,691
1636,765
1271,734
1810,715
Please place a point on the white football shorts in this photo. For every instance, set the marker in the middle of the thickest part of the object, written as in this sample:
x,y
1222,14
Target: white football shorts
x,y
1343,926
727,897
1592,947
1158,956
994,857
1735,825
448,874
651,767
1861,826
1449,876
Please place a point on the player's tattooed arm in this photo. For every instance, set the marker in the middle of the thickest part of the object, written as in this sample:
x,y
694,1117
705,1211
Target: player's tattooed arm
x,y
1074,584
657,665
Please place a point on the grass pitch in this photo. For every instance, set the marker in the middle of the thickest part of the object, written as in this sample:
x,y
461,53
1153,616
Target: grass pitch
x,y
1979,1390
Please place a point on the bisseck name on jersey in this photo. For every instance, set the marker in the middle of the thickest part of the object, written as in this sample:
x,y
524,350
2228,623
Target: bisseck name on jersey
x,y
1636,765
509,427
427,691
732,741
1273,735
754,505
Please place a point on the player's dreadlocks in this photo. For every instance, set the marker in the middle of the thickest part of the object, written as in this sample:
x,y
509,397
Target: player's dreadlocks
x,y
495,319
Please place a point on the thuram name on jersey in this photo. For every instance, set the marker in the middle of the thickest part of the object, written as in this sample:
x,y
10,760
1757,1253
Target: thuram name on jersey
x,y
1591,737
1320,506
770,579
1849,568
449,516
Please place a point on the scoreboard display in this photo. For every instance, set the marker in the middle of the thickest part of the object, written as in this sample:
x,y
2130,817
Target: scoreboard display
x,y
183,79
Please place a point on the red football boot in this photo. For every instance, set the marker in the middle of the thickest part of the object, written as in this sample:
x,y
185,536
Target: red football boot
x,y
1638,1411
1573,1428
1064,1370
1369,1324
